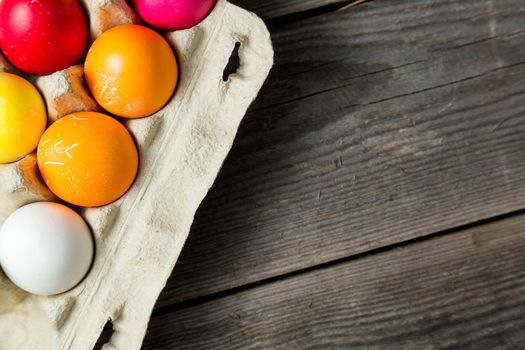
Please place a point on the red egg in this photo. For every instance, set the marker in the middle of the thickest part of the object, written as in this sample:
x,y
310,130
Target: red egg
x,y
40,37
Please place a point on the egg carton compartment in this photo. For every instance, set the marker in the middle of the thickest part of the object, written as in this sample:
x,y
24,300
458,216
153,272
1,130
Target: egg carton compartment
x,y
139,237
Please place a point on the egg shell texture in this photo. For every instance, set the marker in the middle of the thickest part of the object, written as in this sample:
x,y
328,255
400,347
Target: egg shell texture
x,y
173,14
23,117
40,37
131,71
88,159
45,248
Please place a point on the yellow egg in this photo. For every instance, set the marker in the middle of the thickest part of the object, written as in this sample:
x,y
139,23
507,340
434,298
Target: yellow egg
x,y
23,117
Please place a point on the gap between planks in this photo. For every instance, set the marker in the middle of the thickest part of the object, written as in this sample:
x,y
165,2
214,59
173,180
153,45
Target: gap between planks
x,y
313,12
293,9
460,291
417,165
186,304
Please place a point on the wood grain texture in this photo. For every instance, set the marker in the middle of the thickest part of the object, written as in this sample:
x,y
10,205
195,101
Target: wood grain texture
x,y
391,121
407,126
460,291
270,9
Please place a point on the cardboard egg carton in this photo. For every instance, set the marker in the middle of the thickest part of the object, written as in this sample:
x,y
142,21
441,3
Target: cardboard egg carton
x,y
139,237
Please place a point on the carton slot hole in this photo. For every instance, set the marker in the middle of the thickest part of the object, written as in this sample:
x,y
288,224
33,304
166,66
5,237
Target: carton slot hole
x,y
105,335
233,63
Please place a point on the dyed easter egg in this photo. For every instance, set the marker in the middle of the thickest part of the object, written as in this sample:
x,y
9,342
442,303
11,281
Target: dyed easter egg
x,y
173,14
88,159
44,36
23,117
131,71
45,248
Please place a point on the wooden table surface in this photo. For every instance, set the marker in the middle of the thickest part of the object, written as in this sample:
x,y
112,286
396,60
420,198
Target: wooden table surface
x,y
375,195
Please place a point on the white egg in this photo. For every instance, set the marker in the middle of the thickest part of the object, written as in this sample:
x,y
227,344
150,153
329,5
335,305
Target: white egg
x,y
45,248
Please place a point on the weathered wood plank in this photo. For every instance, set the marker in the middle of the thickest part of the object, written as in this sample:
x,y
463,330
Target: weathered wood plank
x,y
413,122
460,291
269,9
332,51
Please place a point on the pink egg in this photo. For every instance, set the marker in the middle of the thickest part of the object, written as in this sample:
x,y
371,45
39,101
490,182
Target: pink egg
x,y
172,15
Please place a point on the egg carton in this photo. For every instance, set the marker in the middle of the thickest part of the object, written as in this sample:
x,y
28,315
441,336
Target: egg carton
x,y
139,237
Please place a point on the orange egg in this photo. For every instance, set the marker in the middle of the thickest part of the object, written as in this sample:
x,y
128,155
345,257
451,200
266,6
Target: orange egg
x,y
88,159
131,71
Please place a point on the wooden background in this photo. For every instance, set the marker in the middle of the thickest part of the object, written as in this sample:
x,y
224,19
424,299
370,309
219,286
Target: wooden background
x,y
375,195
